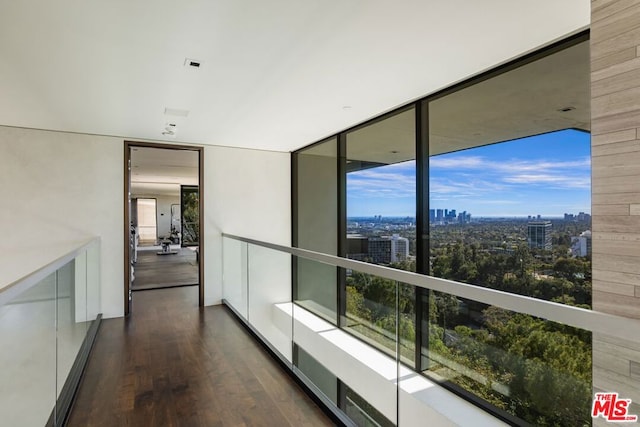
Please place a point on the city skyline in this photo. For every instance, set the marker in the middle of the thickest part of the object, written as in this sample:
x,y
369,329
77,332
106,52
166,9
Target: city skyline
x,y
546,175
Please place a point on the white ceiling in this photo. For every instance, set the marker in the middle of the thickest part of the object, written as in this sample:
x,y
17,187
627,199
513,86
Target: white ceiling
x,y
276,74
160,172
495,110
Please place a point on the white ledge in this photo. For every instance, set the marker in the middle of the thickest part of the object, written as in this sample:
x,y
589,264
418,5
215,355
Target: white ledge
x,y
376,376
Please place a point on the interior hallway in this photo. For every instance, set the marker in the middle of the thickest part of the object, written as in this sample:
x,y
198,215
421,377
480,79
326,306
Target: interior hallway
x,y
153,271
172,364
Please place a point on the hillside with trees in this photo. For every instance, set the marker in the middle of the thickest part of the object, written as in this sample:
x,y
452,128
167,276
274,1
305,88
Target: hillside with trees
x,y
536,370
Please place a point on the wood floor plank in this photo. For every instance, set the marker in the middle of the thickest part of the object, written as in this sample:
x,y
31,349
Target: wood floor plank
x,y
174,364
153,271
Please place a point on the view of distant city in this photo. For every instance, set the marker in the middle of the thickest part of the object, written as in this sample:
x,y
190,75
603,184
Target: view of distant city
x,y
514,217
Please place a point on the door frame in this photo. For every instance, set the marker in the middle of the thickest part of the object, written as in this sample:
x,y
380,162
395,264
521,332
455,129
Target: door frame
x,y
128,145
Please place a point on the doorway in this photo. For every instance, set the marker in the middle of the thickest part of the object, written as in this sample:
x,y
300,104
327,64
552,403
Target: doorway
x,y
163,218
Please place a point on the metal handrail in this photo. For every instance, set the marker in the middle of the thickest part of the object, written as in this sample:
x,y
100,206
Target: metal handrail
x,y
19,286
590,320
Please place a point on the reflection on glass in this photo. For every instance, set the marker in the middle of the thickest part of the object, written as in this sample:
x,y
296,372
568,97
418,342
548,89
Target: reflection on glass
x,y
315,286
375,313
28,355
362,412
320,376
336,359
537,370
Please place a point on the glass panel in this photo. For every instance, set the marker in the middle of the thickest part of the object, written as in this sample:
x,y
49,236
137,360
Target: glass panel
x,y
269,278
234,274
28,356
93,281
510,196
381,229
190,204
71,318
342,363
317,227
325,382
372,316
536,370
362,412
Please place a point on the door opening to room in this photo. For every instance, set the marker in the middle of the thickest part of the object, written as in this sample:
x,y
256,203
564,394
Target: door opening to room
x,y
163,218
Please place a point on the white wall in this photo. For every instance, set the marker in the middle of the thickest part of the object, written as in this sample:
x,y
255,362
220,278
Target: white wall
x,y
60,188
57,190
247,193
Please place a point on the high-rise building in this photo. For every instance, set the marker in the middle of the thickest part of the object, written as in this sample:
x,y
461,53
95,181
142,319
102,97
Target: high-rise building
x,y
432,215
357,247
539,235
581,245
583,217
439,215
388,249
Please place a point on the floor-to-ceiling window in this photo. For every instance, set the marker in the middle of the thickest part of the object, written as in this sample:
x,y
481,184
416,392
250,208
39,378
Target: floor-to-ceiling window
x,y
380,171
509,195
486,183
316,226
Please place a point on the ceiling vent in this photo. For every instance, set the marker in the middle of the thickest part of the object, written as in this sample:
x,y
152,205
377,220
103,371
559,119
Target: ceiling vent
x,y
175,112
193,63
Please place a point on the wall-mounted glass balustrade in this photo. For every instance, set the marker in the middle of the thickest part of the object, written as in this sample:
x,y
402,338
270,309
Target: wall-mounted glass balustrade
x,y
44,319
493,357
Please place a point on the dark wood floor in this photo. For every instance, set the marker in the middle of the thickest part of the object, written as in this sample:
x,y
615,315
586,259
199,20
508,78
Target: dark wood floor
x,y
173,364
153,271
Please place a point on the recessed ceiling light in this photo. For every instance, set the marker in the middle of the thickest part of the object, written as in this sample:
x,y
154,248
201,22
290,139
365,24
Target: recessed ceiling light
x,y
565,109
346,107
194,63
393,152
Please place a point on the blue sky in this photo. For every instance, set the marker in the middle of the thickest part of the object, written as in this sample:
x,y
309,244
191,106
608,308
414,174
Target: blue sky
x,y
547,174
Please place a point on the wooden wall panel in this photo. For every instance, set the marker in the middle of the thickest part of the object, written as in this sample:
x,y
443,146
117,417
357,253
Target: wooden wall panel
x,y
615,113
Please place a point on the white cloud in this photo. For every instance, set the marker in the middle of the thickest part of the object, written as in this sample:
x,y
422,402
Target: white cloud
x,y
467,162
513,165
385,183
553,180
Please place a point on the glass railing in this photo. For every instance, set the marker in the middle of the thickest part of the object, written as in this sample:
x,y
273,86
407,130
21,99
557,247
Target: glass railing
x,y
44,319
464,355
